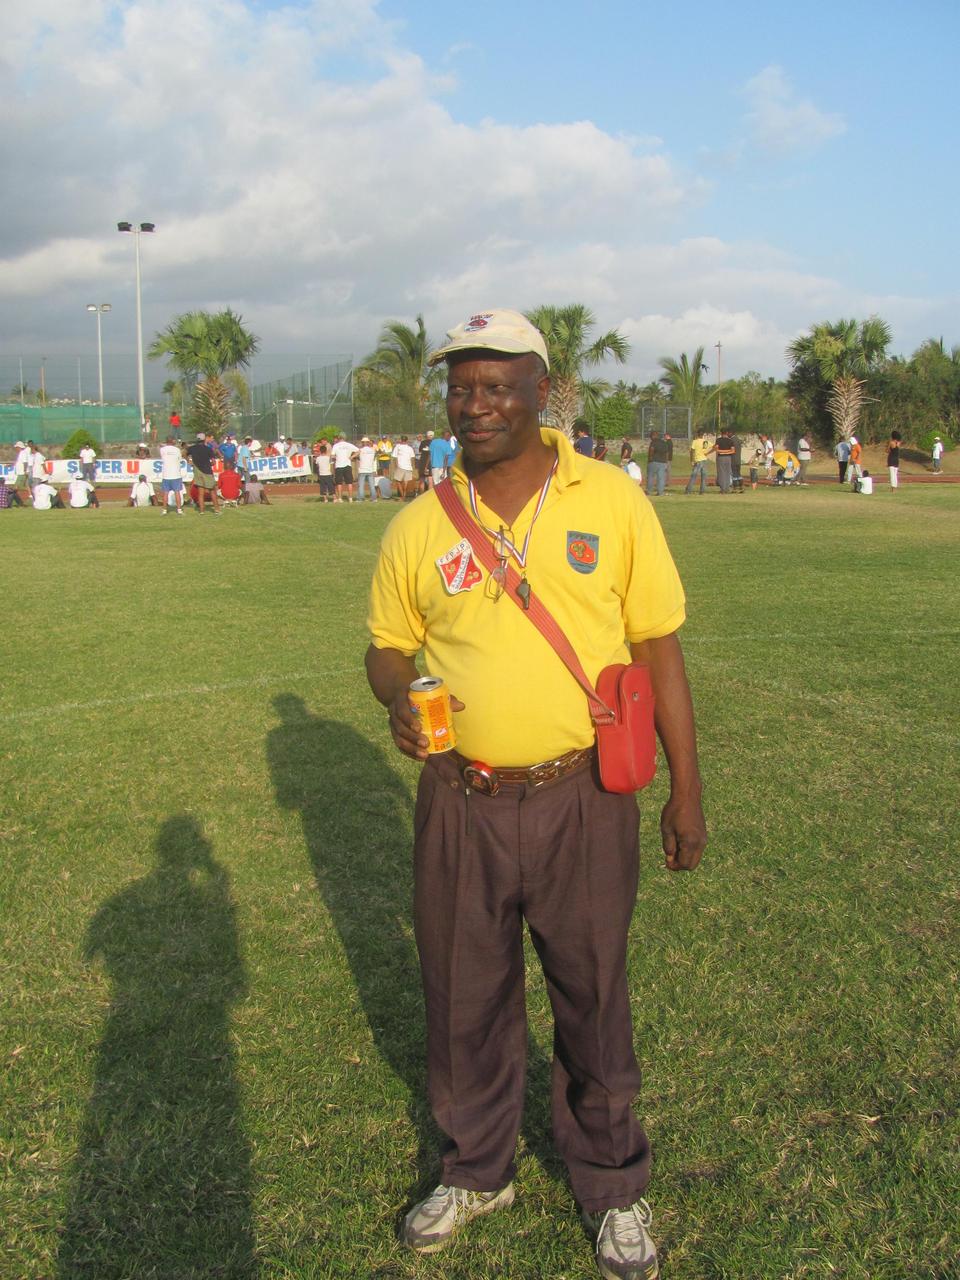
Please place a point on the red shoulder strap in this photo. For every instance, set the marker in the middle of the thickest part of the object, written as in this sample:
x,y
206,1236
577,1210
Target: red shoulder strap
x,y
538,613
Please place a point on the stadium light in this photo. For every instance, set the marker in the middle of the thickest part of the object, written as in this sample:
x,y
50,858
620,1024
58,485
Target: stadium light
x,y
136,232
103,307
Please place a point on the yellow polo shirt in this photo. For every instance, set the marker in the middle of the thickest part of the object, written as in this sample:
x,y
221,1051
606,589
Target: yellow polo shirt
x,y
597,559
699,449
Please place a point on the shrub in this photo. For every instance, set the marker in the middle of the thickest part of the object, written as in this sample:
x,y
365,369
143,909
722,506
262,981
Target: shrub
x,y
925,441
81,439
326,433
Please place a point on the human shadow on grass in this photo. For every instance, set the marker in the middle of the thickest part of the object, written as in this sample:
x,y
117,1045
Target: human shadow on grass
x,y
161,1183
355,812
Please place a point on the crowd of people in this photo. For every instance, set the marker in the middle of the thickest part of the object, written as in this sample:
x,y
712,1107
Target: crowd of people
x,y
225,471
383,469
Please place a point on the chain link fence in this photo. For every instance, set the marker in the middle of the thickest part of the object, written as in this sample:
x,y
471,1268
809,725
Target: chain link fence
x,y
55,424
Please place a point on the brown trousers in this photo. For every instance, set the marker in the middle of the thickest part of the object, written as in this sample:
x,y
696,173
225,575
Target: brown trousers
x,y
563,857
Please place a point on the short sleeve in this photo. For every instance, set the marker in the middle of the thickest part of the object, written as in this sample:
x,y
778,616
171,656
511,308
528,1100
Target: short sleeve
x,y
653,599
394,621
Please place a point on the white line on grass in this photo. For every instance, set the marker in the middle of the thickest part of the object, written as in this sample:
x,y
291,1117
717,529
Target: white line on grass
x,y
714,638
162,695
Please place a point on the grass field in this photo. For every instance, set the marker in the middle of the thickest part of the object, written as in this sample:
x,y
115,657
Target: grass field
x,y
212,1039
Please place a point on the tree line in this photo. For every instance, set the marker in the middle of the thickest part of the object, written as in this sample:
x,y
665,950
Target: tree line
x,y
842,380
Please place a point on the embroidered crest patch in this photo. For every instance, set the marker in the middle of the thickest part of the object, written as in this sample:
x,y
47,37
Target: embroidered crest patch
x,y
458,568
583,551
477,322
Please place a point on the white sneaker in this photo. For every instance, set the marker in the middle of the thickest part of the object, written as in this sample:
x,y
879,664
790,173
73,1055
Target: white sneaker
x,y
625,1250
430,1224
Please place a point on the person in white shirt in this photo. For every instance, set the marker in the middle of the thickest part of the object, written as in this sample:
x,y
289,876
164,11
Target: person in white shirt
x,y
141,492
323,465
21,466
82,493
45,496
804,455
38,469
367,469
936,454
88,464
405,461
171,477
343,453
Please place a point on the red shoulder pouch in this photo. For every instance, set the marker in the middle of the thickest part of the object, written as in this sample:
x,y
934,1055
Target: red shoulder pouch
x,y
627,748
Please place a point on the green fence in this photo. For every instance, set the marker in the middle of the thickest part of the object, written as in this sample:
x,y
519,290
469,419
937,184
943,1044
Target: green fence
x,y
55,424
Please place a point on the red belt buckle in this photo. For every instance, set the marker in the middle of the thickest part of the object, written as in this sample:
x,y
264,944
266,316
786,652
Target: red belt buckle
x,y
480,777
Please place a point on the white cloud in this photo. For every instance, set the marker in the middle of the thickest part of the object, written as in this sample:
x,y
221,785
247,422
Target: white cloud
x,y
301,166
779,121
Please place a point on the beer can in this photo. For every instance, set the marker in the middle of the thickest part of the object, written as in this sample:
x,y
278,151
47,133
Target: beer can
x,y
430,700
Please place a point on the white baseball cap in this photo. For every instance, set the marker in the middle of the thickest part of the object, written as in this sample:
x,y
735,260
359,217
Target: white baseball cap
x,y
502,330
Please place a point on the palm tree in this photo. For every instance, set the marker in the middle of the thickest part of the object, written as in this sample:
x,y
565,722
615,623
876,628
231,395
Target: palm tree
x,y
565,331
200,345
683,379
400,361
840,356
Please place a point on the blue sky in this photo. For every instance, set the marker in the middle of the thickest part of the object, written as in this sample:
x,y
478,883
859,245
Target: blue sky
x,y
694,175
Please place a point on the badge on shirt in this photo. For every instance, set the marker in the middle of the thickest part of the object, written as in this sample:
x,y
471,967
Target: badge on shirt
x,y
583,551
458,568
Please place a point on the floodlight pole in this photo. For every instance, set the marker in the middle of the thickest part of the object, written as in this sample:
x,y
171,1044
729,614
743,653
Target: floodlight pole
x,y
99,310
719,391
136,232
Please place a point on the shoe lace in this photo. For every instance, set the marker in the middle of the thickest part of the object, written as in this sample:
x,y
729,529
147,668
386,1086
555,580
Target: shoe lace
x,y
442,1195
627,1226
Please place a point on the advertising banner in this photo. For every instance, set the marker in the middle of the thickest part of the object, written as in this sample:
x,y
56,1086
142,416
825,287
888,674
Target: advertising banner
x,y
115,471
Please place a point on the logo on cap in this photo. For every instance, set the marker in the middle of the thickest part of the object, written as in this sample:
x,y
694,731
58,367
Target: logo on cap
x,y
477,322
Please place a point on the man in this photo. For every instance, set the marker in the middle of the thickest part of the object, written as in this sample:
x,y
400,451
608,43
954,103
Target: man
x,y
423,461
855,463
201,456
46,497
384,447
367,469
171,476
343,454
936,454
700,451
175,424
842,455
8,495
551,846
21,465
255,492
582,439
442,454
88,464
81,493
724,449
141,492
658,461
245,457
736,465
228,452
38,466
404,460
768,451
626,453
804,457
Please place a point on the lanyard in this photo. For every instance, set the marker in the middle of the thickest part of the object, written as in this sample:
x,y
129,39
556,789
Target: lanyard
x,y
519,553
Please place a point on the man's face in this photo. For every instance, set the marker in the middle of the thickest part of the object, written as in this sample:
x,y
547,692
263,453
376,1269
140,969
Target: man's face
x,y
494,402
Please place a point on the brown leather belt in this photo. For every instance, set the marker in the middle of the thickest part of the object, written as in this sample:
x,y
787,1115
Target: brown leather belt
x,y
487,780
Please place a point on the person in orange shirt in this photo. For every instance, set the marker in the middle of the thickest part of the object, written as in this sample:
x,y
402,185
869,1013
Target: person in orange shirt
x,y
854,464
